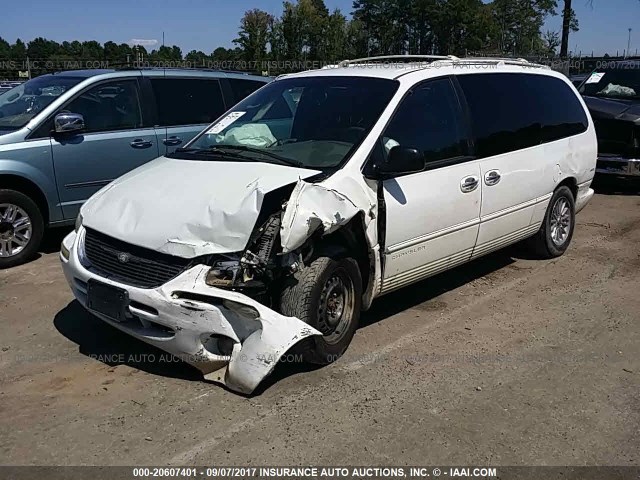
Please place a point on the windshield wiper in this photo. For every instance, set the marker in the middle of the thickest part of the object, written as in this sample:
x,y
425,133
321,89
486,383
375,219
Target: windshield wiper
x,y
212,150
243,148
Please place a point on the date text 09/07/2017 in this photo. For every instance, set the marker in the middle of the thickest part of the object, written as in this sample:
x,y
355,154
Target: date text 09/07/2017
x,y
314,472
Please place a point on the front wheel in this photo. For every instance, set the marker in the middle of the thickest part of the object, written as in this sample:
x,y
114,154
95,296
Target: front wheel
x,y
556,232
327,294
21,228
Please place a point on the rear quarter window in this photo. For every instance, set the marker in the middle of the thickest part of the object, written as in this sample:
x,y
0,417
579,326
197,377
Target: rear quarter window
x,y
513,111
243,88
187,101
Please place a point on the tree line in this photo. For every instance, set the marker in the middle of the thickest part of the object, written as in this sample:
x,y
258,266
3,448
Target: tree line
x,y
307,30
385,27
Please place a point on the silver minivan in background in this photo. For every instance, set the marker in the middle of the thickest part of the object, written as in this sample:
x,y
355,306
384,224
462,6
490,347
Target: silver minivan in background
x,y
64,136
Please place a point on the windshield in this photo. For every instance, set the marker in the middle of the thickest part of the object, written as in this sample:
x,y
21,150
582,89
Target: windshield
x,y
622,82
313,122
22,103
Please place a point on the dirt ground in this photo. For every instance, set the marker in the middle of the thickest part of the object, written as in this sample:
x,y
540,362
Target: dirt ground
x,y
505,361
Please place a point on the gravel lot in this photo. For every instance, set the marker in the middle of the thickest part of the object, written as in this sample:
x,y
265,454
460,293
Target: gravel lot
x,y
505,361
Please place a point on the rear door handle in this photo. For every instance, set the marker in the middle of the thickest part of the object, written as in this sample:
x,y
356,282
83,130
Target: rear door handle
x,y
172,141
492,177
141,143
469,184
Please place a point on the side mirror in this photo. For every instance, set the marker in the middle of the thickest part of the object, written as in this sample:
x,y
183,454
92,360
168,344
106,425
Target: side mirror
x,y
66,122
401,161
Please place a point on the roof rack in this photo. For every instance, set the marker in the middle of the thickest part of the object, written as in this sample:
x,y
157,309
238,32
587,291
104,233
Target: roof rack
x,y
356,61
184,69
451,58
504,61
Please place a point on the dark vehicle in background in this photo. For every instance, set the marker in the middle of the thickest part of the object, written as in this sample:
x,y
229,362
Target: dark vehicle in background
x,y
578,79
64,136
613,97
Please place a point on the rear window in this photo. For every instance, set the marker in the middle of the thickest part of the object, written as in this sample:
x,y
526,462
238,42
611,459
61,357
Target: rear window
x,y
187,101
515,111
243,88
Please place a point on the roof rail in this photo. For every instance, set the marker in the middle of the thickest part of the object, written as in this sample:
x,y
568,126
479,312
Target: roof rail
x,y
435,58
503,61
356,61
126,66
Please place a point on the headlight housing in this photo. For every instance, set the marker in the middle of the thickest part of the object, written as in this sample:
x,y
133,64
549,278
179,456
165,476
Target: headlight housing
x,y
78,222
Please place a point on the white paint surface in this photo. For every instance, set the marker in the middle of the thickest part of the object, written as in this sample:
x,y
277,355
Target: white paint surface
x,y
187,208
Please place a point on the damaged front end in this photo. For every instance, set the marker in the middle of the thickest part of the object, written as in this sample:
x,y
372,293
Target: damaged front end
x,y
220,312
231,338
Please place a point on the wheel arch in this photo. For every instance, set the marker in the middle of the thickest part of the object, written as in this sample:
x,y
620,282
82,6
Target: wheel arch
x,y
353,239
572,184
28,187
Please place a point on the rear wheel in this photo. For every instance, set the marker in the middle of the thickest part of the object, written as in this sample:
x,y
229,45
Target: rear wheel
x,y
21,228
556,232
327,294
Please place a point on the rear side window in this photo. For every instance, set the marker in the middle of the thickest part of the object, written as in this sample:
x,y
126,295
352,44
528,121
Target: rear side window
x,y
243,88
187,101
512,111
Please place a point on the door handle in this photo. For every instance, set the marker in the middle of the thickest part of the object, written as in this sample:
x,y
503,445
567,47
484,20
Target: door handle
x,y
492,177
172,141
140,143
469,184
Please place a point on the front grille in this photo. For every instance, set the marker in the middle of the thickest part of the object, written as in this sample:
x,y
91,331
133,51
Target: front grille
x,y
129,264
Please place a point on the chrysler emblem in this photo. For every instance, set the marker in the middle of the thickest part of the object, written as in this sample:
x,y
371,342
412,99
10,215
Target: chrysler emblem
x,y
123,257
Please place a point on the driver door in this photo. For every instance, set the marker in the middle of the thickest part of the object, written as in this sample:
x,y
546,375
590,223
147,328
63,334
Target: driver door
x,y
433,216
115,140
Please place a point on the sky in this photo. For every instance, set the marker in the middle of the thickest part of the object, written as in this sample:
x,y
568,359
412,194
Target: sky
x,y
207,24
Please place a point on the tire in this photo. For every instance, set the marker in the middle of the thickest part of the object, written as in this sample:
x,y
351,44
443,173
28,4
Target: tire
x,y
15,207
327,284
549,242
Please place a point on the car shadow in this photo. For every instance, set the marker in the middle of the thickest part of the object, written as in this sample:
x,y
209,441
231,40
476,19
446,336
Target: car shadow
x,y
53,238
406,298
607,185
102,342
426,290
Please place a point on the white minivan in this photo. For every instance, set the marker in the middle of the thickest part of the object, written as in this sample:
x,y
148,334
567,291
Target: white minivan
x,y
322,191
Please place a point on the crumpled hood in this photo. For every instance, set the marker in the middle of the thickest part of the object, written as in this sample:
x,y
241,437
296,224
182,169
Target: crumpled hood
x,y
614,109
187,208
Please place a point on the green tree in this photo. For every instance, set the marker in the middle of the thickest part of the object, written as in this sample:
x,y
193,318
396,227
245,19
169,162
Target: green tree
x,y
5,49
519,23
386,24
42,49
72,49
551,42
254,34
292,25
336,37
18,50
197,57
92,50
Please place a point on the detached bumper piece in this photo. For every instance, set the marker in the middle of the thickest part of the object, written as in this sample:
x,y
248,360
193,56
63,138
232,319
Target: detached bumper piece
x,y
615,165
231,338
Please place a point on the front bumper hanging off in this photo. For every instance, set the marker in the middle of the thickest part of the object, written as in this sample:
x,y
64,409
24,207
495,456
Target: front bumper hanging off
x,y
190,320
